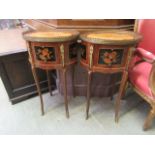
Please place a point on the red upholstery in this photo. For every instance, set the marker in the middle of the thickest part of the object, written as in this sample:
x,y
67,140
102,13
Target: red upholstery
x,y
139,77
146,27
139,73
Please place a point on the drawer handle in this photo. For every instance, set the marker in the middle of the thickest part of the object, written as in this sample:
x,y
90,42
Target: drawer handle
x,y
62,54
91,56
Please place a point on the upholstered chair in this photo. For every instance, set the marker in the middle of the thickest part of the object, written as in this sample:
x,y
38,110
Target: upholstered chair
x,y
142,67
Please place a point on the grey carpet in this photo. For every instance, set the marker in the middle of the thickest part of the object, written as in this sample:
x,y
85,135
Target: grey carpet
x,y
25,118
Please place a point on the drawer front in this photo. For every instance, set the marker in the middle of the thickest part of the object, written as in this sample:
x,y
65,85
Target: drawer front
x,y
111,57
45,54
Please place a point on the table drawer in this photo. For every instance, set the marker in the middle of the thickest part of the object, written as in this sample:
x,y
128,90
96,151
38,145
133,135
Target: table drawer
x,y
110,57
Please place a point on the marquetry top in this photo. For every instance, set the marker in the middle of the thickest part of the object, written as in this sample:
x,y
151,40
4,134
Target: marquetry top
x,y
51,36
113,37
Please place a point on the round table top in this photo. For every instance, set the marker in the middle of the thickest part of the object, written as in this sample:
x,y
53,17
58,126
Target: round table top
x,y
112,37
51,36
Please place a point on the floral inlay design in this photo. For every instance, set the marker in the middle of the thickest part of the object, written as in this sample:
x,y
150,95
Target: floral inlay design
x,y
109,56
45,54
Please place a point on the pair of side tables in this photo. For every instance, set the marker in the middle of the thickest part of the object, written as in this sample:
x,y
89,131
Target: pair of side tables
x,y
106,52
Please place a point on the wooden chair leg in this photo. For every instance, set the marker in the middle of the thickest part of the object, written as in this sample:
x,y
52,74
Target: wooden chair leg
x,y
120,93
88,94
49,82
65,92
149,119
38,89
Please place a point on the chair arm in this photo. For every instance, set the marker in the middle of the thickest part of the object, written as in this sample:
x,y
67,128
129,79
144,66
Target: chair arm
x,y
146,55
136,58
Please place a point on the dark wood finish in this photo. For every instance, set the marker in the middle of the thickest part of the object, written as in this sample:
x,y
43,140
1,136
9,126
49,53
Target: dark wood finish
x,y
107,57
80,24
15,72
89,22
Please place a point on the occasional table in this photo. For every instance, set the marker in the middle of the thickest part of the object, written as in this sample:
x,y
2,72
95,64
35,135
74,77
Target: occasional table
x,y
104,84
108,52
51,50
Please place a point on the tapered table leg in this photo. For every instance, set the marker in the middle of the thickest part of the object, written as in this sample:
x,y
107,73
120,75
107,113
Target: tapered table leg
x,y
125,88
88,94
38,89
65,92
49,82
119,96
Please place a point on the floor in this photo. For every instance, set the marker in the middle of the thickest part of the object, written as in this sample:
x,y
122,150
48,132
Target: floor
x,y
25,118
